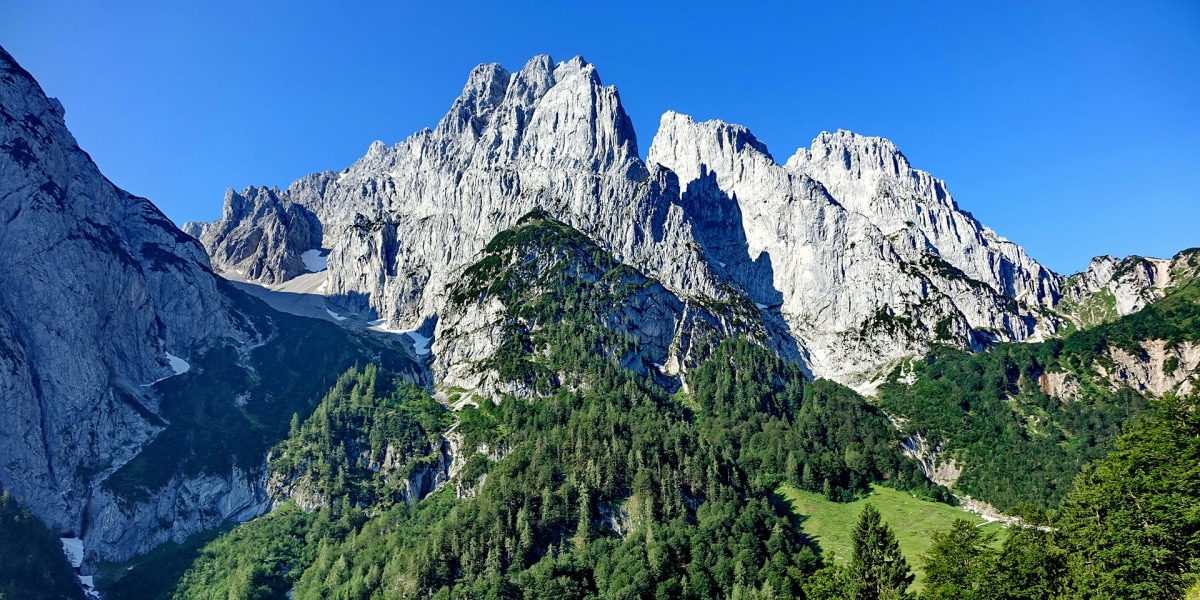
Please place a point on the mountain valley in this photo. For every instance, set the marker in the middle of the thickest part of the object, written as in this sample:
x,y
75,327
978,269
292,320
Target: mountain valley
x,y
509,357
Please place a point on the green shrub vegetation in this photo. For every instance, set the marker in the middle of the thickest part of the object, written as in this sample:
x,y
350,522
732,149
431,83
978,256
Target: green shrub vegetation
x,y
599,477
603,482
365,421
1128,529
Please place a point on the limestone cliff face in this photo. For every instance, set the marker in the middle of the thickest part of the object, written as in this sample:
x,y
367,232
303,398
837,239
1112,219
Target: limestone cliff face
x,y
100,296
260,236
403,221
1112,288
867,259
870,176
854,258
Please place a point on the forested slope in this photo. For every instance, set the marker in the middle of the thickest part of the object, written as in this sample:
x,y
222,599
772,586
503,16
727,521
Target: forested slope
x,y
1022,420
601,480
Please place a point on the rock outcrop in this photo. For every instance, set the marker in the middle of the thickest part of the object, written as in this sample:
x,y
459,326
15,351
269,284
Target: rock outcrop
x,y
260,236
403,221
1112,288
867,259
543,267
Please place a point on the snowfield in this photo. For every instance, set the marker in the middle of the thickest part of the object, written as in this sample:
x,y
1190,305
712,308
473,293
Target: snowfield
x,y
314,261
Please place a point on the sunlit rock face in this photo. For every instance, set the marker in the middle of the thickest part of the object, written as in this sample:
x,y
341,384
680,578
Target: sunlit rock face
x,y
854,258
868,259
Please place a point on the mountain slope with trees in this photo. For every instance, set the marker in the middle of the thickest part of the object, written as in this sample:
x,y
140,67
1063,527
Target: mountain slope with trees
x,y
1022,420
607,483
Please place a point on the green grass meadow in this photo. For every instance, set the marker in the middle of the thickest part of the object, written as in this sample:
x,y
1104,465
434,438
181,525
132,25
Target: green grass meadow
x,y
911,519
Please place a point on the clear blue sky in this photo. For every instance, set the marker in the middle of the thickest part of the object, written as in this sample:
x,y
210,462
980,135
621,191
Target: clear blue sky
x,y
1072,128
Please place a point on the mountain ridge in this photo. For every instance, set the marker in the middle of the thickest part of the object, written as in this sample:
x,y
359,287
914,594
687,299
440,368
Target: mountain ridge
x,y
551,136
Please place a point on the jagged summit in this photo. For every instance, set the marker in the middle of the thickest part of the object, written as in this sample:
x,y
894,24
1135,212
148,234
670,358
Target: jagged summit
x,y
855,258
579,120
870,176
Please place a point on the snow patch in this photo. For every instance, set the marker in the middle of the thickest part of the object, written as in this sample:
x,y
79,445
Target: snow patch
x,y
335,315
88,582
73,549
420,343
178,365
314,260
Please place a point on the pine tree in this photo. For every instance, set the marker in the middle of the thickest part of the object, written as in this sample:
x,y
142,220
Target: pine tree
x,y
877,568
791,469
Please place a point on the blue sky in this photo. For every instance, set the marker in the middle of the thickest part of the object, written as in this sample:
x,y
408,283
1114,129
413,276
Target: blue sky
x,y
1072,128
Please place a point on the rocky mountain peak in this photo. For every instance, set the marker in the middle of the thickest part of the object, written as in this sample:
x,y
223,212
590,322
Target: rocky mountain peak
x,y
558,115
857,151
867,174
679,133
870,176
846,231
531,82
482,94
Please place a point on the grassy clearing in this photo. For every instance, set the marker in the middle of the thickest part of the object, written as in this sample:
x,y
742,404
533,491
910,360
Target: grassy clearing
x,y
911,519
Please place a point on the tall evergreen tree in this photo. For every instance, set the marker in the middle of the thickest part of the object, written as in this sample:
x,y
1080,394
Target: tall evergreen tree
x,y
877,569
1132,526
1031,565
958,562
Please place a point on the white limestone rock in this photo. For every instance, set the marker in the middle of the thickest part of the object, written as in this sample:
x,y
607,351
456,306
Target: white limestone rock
x,y
260,236
870,176
858,285
404,220
856,258
1112,288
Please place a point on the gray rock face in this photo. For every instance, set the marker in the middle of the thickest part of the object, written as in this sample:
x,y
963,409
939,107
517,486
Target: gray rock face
x,y
1112,288
99,293
184,506
403,221
868,259
869,176
855,258
260,236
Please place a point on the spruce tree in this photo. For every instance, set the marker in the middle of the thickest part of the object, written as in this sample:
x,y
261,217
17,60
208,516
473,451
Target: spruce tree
x,y
877,569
